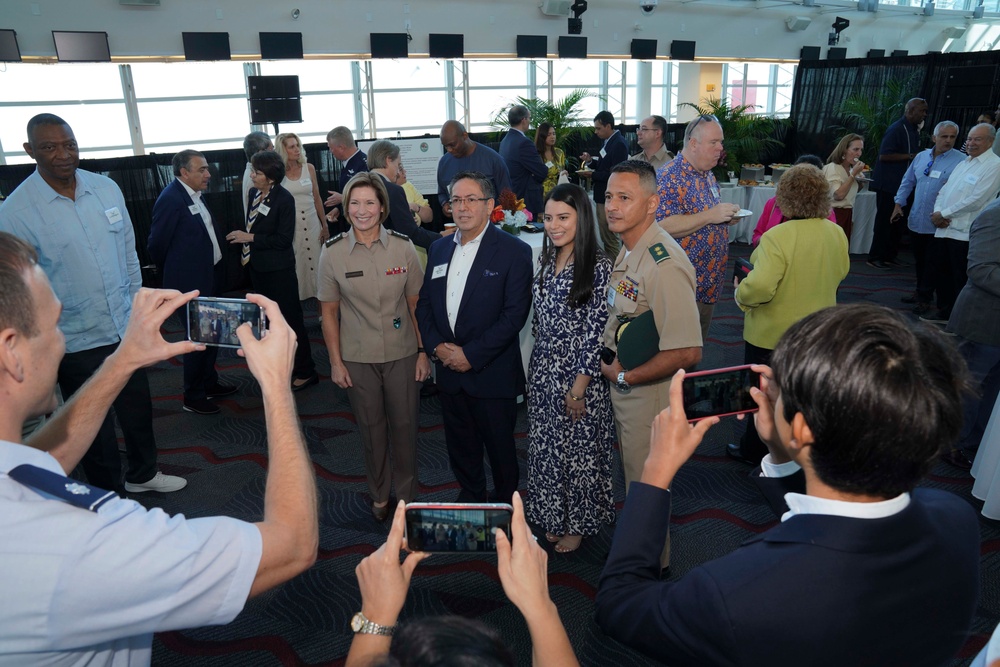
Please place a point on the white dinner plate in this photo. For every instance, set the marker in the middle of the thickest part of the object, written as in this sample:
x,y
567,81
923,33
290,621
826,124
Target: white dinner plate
x,y
742,213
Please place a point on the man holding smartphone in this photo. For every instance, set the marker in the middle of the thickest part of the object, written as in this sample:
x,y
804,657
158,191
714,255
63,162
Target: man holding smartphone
x,y
89,577
184,243
651,273
865,568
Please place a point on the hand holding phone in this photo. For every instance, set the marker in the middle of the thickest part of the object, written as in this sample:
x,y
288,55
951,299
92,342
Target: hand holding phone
x,y
213,321
456,527
383,580
720,393
523,565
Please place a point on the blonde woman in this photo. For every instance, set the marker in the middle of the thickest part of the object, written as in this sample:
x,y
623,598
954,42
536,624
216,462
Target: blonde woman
x,y
842,170
310,226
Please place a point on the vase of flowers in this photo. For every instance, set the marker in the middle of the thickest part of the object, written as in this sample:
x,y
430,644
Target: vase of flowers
x,y
510,213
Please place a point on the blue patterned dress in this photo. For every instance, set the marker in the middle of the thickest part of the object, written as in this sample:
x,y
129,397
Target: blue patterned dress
x,y
569,464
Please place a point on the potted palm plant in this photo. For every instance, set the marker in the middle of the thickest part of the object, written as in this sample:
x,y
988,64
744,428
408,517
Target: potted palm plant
x,y
749,137
564,115
871,115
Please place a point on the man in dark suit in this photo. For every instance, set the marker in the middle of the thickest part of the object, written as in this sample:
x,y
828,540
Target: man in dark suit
x,y
614,150
184,243
473,303
865,569
340,141
976,319
527,170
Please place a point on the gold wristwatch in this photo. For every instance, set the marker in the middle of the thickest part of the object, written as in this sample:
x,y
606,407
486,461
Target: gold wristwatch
x,y
363,626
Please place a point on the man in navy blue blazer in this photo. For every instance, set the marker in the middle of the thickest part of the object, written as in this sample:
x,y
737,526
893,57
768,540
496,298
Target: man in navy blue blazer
x,y
184,243
473,303
527,170
864,569
613,151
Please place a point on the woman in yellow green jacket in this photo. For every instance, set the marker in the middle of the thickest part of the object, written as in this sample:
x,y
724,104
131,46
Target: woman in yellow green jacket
x,y
797,269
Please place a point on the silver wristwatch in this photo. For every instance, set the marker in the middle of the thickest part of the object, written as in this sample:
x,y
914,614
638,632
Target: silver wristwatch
x,y
623,386
363,626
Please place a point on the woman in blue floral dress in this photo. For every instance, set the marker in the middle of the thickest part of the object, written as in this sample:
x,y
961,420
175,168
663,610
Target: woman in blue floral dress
x,y
570,420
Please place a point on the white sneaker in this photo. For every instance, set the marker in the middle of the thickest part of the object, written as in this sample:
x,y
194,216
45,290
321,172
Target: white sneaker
x,y
159,482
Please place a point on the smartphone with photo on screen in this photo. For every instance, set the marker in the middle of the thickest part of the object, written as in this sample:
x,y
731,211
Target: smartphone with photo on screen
x,y
719,393
214,320
456,527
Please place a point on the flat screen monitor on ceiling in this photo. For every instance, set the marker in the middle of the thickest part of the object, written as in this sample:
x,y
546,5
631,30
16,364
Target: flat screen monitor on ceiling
x,y
682,50
572,47
281,46
389,45
447,46
532,46
9,51
643,49
206,46
74,46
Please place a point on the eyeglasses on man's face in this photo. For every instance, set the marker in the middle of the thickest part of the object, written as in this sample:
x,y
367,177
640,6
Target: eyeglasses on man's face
x,y
458,202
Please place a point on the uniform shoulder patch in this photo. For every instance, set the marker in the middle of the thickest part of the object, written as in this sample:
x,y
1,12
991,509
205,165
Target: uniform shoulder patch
x,y
334,239
659,252
399,234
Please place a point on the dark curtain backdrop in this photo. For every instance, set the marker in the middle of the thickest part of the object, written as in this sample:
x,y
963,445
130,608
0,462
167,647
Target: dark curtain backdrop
x,y
821,86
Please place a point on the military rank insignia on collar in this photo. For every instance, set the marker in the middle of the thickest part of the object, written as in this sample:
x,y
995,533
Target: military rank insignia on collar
x,y
658,252
399,234
336,238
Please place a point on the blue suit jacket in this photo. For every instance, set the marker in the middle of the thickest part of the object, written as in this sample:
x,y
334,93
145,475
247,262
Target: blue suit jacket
x,y
494,308
180,245
815,590
615,151
527,171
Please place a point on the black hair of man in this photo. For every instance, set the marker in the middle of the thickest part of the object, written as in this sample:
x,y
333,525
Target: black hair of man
x,y
814,160
605,118
183,159
516,114
881,396
17,308
43,119
484,183
642,169
270,164
446,640
254,143
660,123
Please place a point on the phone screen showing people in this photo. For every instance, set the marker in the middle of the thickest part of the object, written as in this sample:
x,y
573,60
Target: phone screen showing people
x,y
720,392
213,321
456,527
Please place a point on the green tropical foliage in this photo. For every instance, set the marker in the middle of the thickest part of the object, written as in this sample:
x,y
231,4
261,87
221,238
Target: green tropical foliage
x,y
749,137
871,115
564,115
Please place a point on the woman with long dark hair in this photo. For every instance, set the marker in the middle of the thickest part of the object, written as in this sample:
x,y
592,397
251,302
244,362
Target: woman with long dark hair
x,y
554,158
570,420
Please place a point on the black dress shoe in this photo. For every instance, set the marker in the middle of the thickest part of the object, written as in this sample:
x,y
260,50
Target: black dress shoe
x,y
218,390
428,389
298,384
380,513
733,451
878,264
895,261
201,406
910,298
957,458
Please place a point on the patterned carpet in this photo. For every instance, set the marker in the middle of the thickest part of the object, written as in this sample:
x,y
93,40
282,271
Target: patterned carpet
x,y
305,622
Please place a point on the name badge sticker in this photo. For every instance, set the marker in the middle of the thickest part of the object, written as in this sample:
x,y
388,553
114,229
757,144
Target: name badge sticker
x,y
263,209
971,179
114,215
194,210
305,181
549,164
611,296
935,174
439,270
604,153
715,192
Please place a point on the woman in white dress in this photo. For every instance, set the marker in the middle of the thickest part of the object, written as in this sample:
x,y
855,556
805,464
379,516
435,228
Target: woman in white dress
x,y
310,223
